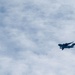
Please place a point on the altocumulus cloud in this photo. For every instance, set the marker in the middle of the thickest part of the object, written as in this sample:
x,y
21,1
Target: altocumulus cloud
x,y
30,31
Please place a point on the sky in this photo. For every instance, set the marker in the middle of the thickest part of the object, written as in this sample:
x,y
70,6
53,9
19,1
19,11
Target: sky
x,y
30,31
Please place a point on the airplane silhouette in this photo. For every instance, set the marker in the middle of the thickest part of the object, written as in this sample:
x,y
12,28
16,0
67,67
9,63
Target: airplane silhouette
x,y
66,45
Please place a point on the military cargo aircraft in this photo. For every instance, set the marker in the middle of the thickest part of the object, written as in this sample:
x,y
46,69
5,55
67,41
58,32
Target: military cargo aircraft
x,y
66,45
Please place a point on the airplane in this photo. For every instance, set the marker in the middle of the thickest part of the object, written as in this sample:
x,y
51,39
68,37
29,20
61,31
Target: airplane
x,y
66,45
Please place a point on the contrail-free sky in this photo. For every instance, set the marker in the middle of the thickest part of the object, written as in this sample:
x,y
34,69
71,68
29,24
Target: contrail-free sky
x,y
30,31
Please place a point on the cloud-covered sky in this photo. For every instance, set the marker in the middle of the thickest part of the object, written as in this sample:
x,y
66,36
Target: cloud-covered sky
x,y
30,31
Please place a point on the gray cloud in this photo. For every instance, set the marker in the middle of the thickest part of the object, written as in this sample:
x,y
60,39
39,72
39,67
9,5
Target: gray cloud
x,y
29,35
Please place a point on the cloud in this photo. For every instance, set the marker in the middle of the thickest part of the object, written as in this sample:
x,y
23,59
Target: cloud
x,y
30,31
